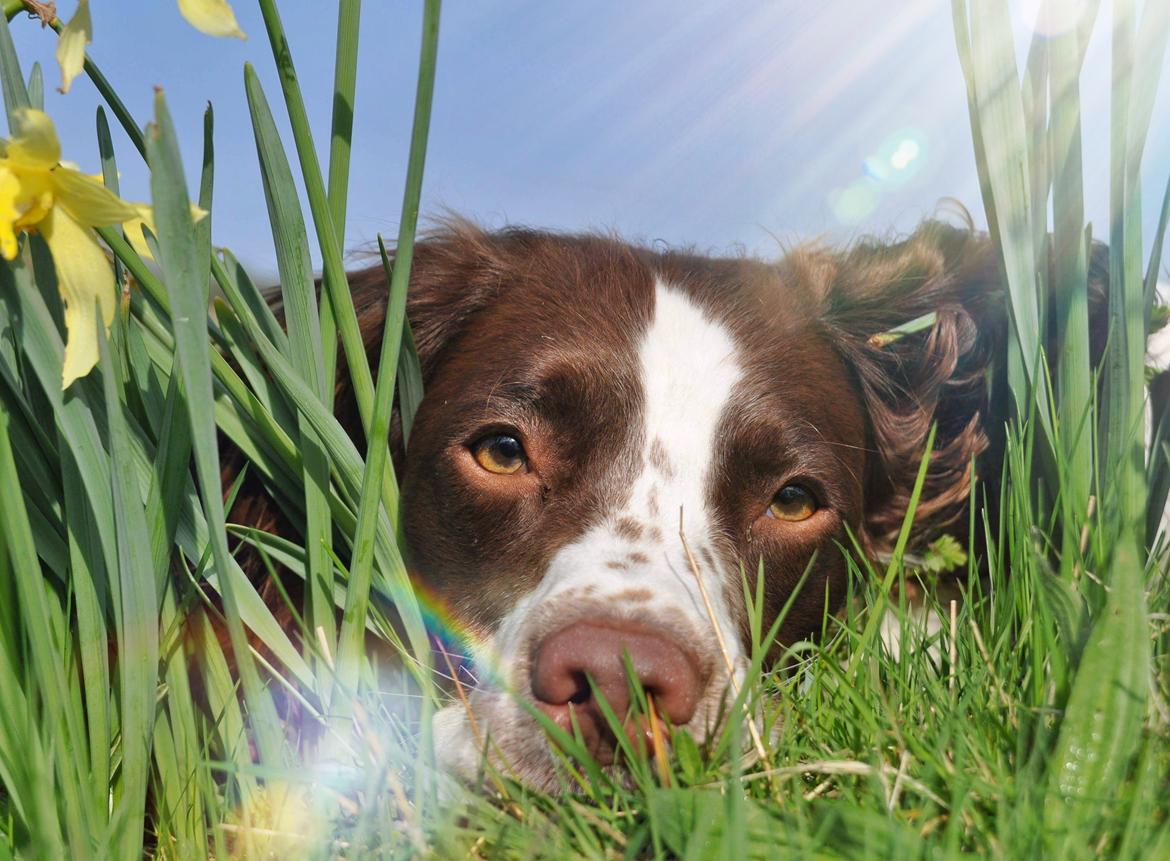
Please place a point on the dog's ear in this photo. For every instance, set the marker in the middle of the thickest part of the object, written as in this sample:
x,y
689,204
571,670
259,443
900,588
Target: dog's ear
x,y
946,368
455,271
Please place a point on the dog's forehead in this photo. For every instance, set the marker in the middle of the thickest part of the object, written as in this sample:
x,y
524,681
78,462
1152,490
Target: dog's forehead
x,y
591,337
593,303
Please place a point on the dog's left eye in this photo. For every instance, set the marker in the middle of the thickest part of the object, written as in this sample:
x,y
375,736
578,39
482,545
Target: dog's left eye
x,y
500,454
792,503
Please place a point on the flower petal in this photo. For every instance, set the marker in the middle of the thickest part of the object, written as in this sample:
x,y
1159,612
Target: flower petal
x,y
9,191
88,201
71,44
133,228
145,218
86,283
34,141
213,17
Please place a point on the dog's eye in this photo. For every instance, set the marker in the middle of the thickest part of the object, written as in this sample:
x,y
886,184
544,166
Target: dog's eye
x,y
500,454
792,503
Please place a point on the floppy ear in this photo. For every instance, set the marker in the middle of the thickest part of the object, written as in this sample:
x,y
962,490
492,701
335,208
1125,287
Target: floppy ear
x,y
948,370
456,270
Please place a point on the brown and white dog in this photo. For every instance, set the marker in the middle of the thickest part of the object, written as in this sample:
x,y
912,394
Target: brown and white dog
x,y
611,434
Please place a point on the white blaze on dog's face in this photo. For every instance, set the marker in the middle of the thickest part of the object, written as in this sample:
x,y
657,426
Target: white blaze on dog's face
x,y
629,575
581,394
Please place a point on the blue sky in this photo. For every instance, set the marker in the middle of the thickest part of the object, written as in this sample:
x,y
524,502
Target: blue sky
x,y
723,125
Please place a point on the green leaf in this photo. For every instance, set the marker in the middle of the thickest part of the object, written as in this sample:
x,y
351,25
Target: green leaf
x,y
944,555
183,261
357,596
344,93
36,87
26,769
305,350
410,382
138,648
334,277
1102,727
11,80
993,81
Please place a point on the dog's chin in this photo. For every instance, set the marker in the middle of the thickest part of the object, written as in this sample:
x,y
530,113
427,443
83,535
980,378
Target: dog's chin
x,y
524,756
516,747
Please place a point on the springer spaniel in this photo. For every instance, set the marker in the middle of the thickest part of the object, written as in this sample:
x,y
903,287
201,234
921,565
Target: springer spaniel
x,y
612,436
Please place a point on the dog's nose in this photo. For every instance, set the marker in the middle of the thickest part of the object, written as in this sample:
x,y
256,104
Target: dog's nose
x,y
566,660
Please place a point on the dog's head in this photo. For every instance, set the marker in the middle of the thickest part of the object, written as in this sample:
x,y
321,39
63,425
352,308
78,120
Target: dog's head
x,y
612,438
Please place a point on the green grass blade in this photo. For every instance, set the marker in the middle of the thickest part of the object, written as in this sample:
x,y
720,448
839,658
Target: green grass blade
x,y
11,80
245,357
348,465
36,87
961,18
410,382
1071,290
242,293
344,97
306,354
27,771
38,610
92,600
357,595
181,261
1125,357
995,83
138,647
895,566
1102,727
334,277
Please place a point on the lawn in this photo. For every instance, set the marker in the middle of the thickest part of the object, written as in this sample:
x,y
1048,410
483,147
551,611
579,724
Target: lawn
x,y
152,701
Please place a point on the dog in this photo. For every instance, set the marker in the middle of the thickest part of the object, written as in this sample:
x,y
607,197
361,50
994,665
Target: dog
x,y
614,437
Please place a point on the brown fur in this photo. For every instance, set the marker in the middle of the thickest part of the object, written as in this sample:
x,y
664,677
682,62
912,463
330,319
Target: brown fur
x,y
541,330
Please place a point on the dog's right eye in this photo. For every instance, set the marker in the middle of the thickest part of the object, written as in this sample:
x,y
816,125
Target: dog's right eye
x,y
500,454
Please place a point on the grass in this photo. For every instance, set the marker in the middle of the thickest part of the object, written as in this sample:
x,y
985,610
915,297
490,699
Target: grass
x,y
1031,720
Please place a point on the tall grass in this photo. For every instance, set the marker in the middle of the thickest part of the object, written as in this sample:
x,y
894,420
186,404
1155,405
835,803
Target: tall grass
x,y
1032,720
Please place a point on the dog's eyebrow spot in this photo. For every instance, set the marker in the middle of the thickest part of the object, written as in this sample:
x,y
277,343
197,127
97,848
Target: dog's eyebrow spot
x,y
617,565
660,460
638,558
628,528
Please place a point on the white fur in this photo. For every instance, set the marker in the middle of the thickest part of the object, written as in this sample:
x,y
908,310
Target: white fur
x,y
1158,357
689,369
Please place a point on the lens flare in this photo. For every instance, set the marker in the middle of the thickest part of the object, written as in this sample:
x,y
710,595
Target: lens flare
x,y
896,162
905,154
856,201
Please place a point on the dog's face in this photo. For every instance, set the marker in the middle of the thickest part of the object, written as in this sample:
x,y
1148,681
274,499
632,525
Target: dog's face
x,y
613,441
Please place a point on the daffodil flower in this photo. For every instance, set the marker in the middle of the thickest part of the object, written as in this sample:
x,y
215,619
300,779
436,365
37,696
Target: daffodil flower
x,y
213,17
71,44
38,192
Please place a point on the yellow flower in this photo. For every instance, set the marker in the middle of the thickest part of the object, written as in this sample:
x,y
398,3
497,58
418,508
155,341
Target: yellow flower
x,y
213,17
71,45
63,205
